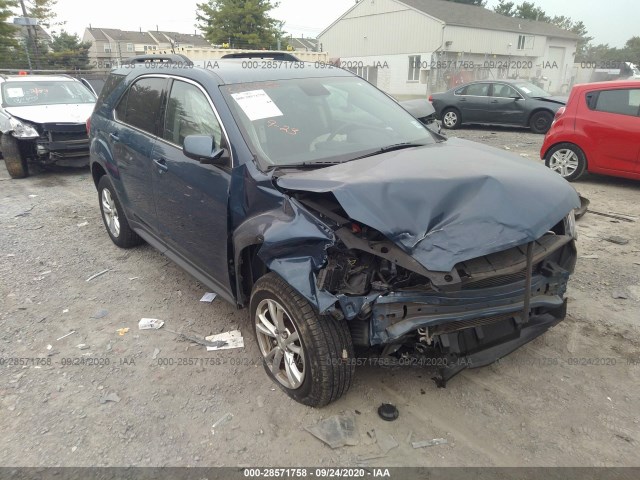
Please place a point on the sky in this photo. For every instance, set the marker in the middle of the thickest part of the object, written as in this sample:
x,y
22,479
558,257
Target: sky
x,y
612,21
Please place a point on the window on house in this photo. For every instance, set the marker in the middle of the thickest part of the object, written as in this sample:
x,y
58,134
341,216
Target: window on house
x,y
107,47
129,47
414,68
525,42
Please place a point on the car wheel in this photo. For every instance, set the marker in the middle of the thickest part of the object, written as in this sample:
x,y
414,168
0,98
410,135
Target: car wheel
x,y
566,159
451,118
113,217
14,160
540,122
309,356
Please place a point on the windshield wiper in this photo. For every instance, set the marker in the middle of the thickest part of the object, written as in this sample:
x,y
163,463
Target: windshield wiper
x,y
304,165
391,148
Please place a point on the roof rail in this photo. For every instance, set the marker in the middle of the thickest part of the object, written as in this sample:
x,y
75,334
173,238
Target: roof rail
x,y
168,58
264,55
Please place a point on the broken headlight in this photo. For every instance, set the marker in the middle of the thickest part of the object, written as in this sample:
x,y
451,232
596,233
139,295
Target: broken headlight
x,y
570,225
22,130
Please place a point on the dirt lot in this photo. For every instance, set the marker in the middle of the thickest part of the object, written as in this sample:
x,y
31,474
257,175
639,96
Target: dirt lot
x,y
537,407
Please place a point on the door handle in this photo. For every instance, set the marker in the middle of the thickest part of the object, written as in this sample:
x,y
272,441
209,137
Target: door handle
x,y
114,137
494,101
161,164
463,100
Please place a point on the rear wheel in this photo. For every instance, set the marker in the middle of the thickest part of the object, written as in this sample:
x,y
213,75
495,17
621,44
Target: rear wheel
x,y
451,118
113,216
309,356
14,159
567,160
540,122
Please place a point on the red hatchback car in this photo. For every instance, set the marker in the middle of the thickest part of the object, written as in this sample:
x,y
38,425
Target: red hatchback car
x,y
598,131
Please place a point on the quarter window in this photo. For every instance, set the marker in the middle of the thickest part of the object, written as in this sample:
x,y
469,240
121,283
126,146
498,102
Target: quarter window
x,y
621,101
502,90
189,113
477,89
140,106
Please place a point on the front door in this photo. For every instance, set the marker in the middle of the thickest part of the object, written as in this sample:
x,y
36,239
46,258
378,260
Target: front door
x,y
506,105
192,198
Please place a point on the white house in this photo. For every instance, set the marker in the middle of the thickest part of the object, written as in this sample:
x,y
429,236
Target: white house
x,y
415,47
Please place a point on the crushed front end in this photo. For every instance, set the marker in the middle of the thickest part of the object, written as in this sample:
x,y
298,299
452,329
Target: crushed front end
x,y
479,311
61,143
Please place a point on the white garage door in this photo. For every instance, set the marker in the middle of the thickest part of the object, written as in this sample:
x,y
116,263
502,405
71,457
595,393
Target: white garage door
x,y
556,71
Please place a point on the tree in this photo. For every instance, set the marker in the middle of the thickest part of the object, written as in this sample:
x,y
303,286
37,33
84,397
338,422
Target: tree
x,y
477,3
43,11
8,42
68,52
241,23
632,50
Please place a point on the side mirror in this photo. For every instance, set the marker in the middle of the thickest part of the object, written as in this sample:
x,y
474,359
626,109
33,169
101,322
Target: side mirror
x,y
203,148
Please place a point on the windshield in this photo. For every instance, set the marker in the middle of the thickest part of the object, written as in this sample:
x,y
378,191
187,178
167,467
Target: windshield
x,y
532,90
320,120
45,92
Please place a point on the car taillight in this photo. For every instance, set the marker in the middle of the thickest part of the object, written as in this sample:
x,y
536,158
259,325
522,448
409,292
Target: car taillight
x,y
89,126
431,98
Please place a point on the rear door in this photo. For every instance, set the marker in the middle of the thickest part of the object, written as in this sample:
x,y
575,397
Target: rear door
x,y
613,125
506,105
473,101
132,140
192,198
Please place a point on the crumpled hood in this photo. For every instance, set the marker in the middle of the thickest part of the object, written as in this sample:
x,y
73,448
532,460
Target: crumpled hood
x,y
555,99
65,113
448,202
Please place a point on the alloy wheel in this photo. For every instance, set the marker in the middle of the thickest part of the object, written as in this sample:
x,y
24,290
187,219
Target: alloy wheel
x,y
110,213
564,162
450,119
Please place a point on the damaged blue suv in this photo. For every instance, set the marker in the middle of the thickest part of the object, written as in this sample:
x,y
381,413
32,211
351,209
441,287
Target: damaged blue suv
x,y
348,228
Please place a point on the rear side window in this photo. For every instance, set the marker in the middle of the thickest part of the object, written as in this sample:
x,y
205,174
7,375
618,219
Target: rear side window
x,y
140,105
621,101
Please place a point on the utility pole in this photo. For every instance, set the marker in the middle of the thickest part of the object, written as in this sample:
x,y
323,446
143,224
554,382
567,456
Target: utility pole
x,y
31,41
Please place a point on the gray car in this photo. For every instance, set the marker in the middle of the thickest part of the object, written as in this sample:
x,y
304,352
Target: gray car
x,y
497,102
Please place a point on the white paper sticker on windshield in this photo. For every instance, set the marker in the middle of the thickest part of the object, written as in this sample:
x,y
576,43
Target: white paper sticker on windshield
x,y
525,89
257,105
15,92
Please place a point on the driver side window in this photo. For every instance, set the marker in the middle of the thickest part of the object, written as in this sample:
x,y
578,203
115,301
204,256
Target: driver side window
x,y
189,113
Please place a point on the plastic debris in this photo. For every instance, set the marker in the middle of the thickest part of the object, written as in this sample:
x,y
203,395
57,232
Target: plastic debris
x,y
388,412
150,324
619,295
122,331
110,397
227,340
429,443
66,310
83,346
156,352
385,441
83,224
98,274
336,431
208,297
224,419
65,336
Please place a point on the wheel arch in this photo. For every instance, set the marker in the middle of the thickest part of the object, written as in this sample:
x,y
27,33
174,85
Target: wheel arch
x,y
97,172
555,144
538,110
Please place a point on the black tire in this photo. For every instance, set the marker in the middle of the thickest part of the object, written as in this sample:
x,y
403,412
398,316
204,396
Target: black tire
x,y
327,349
452,114
14,159
555,164
540,122
123,236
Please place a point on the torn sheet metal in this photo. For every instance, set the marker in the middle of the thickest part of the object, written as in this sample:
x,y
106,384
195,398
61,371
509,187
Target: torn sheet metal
x,y
446,203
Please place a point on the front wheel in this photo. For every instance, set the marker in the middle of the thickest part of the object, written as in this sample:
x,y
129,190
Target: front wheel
x,y
14,159
309,356
451,118
540,122
566,159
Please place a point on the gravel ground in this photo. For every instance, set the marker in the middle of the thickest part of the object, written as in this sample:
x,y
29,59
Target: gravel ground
x,y
150,398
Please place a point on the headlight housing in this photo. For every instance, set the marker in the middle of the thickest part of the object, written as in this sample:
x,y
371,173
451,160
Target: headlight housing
x,y
22,130
570,225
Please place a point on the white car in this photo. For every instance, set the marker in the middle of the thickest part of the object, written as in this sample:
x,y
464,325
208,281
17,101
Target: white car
x,y
43,119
